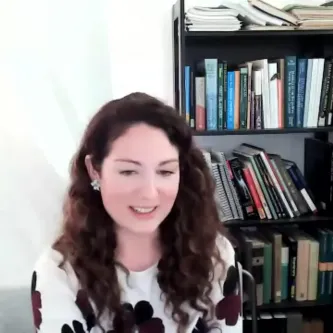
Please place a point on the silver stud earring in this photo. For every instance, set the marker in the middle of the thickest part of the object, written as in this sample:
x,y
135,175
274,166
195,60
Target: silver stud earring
x,y
96,185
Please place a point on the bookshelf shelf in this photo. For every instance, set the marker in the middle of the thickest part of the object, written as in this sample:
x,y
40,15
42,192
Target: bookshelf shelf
x,y
264,131
290,305
257,33
298,220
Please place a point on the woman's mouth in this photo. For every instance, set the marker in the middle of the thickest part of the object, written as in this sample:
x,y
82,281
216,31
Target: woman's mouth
x,y
143,210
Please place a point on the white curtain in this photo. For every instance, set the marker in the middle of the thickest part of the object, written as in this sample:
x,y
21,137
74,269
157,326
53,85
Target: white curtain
x,y
54,74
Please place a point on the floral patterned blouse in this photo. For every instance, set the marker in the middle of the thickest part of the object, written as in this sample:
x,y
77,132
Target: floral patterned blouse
x,y
60,305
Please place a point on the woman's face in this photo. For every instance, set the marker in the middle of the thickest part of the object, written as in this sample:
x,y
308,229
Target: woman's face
x,y
140,179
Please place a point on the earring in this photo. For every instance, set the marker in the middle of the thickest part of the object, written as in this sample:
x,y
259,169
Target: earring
x,y
95,185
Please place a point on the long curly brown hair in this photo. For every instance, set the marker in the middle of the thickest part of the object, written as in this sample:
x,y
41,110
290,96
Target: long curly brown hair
x,y
187,235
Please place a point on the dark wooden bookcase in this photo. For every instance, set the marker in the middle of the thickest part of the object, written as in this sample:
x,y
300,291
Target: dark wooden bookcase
x,y
238,47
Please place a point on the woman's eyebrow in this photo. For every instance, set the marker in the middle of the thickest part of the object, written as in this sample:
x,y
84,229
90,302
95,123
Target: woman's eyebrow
x,y
171,160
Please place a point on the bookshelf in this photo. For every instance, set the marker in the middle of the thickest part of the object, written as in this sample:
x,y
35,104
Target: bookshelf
x,y
310,219
240,47
324,130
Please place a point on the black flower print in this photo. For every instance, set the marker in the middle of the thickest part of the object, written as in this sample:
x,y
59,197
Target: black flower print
x,y
77,326
141,317
230,306
36,302
86,309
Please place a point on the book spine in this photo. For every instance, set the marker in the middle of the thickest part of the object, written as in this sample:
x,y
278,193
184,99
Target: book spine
x,y
192,102
230,101
313,270
243,97
270,192
302,189
301,84
260,192
187,94
265,189
284,272
329,274
277,251
231,180
281,93
237,100
254,193
220,96
290,92
267,293
276,184
300,203
229,197
292,269
323,108
211,93
244,193
200,104
225,93
258,269
322,265
252,112
328,120
220,195
306,111
284,188
302,275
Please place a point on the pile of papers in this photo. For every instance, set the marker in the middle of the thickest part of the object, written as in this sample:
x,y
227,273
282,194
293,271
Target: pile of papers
x,y
233,15
212,19
313,17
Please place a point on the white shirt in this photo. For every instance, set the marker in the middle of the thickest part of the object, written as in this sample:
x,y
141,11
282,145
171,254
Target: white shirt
x,y
61,305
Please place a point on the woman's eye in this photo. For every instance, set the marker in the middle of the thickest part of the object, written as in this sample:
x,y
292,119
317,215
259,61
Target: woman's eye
x,y
127,172
166,173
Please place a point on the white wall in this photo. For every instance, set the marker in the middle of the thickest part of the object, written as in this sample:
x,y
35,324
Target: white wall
x,y
54,73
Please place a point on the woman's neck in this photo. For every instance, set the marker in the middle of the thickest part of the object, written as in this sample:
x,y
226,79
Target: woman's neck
x,y
137,252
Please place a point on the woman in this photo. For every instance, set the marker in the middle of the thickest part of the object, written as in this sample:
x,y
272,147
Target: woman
x,y
141,248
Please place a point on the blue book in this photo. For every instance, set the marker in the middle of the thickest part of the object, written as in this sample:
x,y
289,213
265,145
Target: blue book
x,y
302,65
211,69
290,91
187,93
230,100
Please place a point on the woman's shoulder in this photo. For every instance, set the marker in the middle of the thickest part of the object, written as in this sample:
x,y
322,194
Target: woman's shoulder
x,y
226,250
50,268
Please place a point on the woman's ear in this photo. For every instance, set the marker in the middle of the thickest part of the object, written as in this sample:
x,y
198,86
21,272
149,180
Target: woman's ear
x,y
93,174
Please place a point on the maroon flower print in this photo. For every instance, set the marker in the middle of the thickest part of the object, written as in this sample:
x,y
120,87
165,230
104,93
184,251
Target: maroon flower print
x,y
86,309
230,306
36,302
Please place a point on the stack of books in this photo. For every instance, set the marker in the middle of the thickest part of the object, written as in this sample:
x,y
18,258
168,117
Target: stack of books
x,y
251,184
232,15
312,17
212,19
